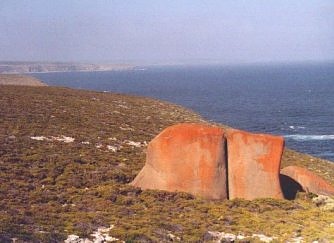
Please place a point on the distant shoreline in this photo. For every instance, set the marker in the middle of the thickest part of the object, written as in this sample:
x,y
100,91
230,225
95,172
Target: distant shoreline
x,y
10,67
74,71
32,67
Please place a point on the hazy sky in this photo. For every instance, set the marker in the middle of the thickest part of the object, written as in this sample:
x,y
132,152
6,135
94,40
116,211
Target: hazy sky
x,y
167,31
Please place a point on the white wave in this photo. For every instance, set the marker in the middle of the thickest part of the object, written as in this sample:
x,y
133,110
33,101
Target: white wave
x,y
296,127
301,137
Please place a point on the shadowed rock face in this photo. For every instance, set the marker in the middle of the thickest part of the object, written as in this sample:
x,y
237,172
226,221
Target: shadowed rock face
x,y
253,165
308,181
189,158
290,187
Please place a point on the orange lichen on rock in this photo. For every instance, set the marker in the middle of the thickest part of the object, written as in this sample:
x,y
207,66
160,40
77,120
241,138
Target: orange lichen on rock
x,y
189,158
308,181
253,165
215,164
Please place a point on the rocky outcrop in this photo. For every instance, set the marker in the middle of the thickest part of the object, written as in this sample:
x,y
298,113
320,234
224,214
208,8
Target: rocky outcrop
x,y
188,158
253,165
307,181
214,163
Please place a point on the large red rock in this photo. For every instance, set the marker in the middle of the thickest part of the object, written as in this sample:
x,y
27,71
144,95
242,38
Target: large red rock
x,y
189,158
253,165
308,181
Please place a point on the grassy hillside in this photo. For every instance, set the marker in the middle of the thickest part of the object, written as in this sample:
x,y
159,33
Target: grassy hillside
x,y
15,79
52,186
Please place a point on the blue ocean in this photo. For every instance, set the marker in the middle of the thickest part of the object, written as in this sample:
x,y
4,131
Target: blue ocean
x,y
296,101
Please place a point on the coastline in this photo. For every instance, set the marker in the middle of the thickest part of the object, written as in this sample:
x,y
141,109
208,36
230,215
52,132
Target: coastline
x,y
45,67
218,101
74,71
67,156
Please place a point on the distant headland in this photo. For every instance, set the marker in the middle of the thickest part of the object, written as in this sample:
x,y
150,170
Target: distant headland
x,y
40,67
16,79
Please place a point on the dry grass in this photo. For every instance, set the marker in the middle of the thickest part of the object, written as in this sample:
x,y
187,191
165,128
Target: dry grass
x,y
50,189
15,79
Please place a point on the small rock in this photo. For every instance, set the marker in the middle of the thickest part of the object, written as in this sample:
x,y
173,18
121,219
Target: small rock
x,y
263,238
173,237
63,139
72,239
123,106
133,143
296,240
126,128
60,139
101,235
324,202
39,138
217,236
98,145
112,148
229,237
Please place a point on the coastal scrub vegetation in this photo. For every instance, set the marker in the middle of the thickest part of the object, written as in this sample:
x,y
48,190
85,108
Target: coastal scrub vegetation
x,y
52,186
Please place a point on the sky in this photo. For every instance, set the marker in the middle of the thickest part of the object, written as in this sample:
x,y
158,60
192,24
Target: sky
x,y
167,32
